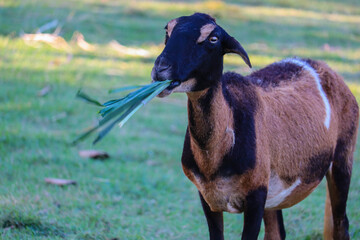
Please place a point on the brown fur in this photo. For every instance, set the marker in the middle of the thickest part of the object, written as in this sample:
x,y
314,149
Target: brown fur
x,y
345,105
218,192
221,140
205,32
298,113
272,231
328,221
262,142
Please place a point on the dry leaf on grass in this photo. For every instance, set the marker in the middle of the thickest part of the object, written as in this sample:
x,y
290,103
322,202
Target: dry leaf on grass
x,y
121,49
79,39
51,39
60,182
95,154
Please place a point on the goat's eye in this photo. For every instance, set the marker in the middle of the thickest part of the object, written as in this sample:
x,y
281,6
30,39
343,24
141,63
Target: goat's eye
x,y
213,39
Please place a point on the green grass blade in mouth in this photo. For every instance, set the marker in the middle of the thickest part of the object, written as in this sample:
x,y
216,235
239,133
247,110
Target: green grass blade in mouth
x,y
140,93
143,102
121,109
106,130
83,136
122,89
87,98
130,112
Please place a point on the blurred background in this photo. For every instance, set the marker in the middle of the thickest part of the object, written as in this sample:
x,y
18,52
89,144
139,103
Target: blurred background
x,y
50,49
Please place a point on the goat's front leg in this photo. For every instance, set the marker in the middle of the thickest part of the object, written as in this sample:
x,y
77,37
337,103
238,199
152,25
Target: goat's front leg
x,y
215,221
253,213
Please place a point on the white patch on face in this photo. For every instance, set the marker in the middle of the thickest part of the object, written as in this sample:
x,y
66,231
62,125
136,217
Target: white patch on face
x,y
205,32
186,86
277,193
313,73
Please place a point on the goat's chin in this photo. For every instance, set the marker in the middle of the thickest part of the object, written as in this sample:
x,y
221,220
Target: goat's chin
x,y
184,87
165,93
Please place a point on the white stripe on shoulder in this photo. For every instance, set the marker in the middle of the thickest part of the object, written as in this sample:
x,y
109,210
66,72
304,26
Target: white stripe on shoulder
x,y
314,74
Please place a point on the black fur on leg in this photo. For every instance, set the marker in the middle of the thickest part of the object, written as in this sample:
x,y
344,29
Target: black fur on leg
x,y
253,214
214,220
281,224
338,178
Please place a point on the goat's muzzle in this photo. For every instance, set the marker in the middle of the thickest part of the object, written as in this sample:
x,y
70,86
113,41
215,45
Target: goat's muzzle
x,y
161,70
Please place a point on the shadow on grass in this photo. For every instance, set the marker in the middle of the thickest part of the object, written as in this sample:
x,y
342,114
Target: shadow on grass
x,y
17,220
314,236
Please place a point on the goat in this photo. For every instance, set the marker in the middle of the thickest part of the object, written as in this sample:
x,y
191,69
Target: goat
x,y
260,143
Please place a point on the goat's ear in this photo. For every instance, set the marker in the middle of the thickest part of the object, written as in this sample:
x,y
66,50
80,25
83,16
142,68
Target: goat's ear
x,y
231,45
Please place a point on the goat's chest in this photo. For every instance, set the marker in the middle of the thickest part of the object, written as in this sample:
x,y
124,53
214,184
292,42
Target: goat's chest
x,y
222,194
220,173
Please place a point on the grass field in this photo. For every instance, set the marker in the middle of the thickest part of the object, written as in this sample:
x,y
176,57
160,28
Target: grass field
x,y
141,191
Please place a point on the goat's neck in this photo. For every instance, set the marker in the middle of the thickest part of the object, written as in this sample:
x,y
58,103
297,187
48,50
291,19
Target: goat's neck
x,y
210,118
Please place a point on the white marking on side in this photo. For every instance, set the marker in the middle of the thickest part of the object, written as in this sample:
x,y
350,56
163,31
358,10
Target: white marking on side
x,y
330,168
231,209
313,73
232,133
281,196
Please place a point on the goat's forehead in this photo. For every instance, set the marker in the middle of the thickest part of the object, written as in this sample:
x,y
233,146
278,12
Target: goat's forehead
x,y
195,28
194,22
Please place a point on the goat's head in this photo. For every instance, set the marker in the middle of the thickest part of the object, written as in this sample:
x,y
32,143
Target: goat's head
x,y
193,54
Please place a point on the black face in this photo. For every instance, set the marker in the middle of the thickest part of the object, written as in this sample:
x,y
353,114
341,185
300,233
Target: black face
x,y
193,54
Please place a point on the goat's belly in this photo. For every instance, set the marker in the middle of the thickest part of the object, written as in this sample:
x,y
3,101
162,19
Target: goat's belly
x,y
281,196
221,195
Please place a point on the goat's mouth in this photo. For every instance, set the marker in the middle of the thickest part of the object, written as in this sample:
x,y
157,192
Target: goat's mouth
x,y
167,91
173,84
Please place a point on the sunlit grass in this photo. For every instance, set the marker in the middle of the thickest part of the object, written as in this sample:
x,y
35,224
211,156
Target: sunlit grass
x,y
355,89
342,60
348,7
281,13
242,12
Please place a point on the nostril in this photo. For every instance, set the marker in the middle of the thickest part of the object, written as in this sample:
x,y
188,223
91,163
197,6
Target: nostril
x,y
162,64
162,67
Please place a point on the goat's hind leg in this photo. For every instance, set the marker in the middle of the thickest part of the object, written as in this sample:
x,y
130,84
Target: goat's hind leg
x,y
338,183
274,225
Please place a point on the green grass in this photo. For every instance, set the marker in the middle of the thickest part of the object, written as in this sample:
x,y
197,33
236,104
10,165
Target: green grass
x,y
141,191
